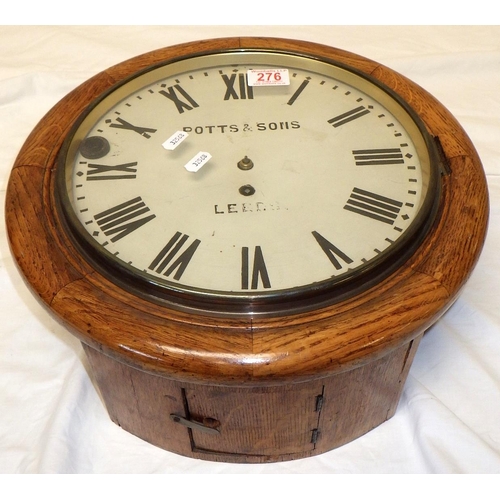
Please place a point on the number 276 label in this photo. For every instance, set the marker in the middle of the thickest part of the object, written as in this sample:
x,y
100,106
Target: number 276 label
x,y
269,76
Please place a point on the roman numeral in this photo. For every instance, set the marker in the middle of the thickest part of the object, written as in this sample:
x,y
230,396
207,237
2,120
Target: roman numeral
x,y
171,93
259,270
355,113
97,172
296,94
124,218
124,125
331,251
245,91
366,157
172,250
373,205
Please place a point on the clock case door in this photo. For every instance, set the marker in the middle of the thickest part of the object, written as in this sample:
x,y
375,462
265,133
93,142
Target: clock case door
x,y
252,425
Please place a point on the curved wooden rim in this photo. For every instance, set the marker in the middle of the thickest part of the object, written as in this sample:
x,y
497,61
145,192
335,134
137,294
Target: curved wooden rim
x,y
245,351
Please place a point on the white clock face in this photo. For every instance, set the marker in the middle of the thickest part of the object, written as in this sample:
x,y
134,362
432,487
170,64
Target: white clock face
x,y
196,181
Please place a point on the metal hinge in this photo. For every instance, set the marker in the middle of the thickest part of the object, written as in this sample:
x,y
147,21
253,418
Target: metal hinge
x,y
319,402
444,163
315,436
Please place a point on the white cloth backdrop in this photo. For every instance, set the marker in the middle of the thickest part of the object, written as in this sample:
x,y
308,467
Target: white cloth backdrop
x,y
52,419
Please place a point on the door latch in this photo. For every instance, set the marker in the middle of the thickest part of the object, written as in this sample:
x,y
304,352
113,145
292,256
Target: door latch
x,y
207,425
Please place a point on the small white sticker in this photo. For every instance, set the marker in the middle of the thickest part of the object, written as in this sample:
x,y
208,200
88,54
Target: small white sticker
x,y
267,77
197,161
173,141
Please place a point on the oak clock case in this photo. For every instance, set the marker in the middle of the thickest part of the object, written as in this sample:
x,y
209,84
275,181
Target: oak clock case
x,y
250,237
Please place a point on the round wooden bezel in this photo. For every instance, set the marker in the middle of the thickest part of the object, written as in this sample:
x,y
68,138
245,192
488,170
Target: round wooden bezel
x,y
245,351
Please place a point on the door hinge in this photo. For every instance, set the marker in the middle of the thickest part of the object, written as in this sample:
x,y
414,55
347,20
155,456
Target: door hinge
x,y
319,402
444,162
315,436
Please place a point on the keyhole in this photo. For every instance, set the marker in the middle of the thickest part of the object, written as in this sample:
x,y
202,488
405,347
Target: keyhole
x,y
247,190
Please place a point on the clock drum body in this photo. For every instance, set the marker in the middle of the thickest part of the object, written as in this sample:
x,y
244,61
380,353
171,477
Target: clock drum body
x,y
267,306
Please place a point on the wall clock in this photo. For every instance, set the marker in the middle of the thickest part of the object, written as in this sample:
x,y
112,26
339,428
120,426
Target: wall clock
x,y
250,237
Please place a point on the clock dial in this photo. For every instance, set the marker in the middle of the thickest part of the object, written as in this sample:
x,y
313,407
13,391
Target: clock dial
x,y
249,176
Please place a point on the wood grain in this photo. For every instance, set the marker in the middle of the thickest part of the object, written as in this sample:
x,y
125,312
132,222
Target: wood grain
x,y
255,424
150,359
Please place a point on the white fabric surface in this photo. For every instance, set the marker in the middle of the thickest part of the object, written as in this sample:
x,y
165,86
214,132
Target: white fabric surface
x,y
52,419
